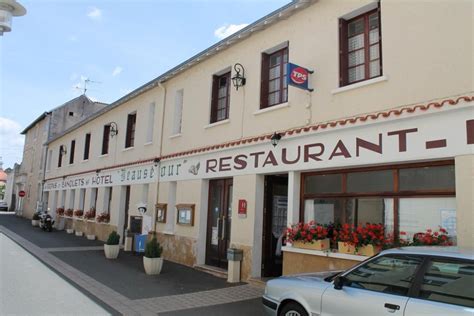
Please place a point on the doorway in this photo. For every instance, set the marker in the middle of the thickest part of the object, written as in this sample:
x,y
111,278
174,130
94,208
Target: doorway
x,y
219,222
274,224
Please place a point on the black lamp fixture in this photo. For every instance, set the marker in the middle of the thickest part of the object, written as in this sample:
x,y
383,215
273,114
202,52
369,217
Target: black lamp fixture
x,y
239,79
275,138
113,129
97,171
156,161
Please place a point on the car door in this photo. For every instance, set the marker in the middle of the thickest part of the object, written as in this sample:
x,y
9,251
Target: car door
x,y
378,287
446,288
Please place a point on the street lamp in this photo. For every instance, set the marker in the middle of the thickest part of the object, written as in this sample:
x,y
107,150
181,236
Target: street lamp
x,y
8,9
239,79
275,138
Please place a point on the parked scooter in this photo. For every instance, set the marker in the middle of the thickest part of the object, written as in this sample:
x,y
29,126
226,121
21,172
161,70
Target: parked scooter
x,y
46,222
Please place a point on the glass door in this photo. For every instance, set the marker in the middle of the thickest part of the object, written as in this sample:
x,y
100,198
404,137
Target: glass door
x,y
219,222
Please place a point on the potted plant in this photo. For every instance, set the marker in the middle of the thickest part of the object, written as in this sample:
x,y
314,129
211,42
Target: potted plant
x,y
78,213
69,212
60,211
308,236
432,238
35,219
366,240
90,214
103,218
152,260
111,247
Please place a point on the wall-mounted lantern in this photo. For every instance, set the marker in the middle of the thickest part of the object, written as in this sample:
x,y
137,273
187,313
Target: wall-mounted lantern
x,y
113,129
239,78
275,138
156,161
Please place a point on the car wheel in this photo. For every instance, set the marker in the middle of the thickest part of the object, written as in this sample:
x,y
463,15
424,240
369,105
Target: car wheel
x,y
292,309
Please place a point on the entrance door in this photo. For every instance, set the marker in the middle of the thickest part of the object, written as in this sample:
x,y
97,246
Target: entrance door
x,y
219,222
274,224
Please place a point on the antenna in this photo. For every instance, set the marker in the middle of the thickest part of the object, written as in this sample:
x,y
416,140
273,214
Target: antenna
x,y
86,81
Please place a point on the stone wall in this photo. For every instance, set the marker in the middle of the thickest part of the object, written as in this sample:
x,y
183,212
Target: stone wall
x,y
246,264
178,249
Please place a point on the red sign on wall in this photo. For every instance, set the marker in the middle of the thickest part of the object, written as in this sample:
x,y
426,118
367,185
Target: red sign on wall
x,y
21,193
243,207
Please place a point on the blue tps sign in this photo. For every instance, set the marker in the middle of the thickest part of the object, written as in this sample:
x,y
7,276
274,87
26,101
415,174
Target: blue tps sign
x,y
298,76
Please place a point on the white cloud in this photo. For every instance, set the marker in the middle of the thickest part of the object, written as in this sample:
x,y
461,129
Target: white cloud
x,y
95,13
117,71
11,145
72,38
228,29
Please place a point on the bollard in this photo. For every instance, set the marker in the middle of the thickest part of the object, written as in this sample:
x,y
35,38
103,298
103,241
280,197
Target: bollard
x,y
234,258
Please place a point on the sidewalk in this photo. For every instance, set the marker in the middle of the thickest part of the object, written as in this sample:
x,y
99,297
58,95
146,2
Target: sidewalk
x,y
122,284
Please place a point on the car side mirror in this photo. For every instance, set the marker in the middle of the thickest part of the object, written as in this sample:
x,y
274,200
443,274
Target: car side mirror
x,y
339,282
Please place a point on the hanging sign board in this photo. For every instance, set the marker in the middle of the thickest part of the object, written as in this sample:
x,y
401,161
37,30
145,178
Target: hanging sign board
x,y
298,76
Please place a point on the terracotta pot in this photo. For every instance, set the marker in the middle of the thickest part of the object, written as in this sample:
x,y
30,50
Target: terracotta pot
x,y
152,265
111,251
322,244
34,222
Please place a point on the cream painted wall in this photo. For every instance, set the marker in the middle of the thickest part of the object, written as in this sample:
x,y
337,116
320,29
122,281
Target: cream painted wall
x,y
465,200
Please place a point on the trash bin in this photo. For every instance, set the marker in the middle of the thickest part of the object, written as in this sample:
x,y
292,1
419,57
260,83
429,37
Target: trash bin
x,y
234,258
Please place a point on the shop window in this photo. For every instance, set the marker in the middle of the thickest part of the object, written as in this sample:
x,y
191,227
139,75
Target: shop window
x,y
72,198
325,183
130,135
371,181
274,87
360,48
87,145
427,178
93,202
220,97
419,214
105,140
82,198
107,199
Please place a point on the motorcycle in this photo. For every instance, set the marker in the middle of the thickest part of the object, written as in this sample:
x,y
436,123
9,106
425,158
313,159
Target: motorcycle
x,y
46,222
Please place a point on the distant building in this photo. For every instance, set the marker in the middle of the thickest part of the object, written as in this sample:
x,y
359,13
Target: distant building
x,y
3,181
29,177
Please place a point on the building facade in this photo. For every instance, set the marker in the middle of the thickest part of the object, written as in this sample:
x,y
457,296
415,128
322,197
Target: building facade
x,y
30,175
385,136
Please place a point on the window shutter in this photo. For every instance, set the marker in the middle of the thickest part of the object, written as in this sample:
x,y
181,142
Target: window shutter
x,y
343,64
264,82
215,88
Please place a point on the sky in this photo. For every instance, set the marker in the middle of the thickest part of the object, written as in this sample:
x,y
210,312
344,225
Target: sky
x,y
119,45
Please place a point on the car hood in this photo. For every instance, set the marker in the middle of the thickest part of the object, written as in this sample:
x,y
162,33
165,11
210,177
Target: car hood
x,y
314,276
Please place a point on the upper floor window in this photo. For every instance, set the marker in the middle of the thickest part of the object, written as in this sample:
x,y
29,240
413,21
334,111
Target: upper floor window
x,y
178,112
71,152
87,145
220,97
361,53
274,87
130,135
60,156
105,140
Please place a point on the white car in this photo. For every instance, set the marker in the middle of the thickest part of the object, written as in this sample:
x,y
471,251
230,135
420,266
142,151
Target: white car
x,y
410,281
3,206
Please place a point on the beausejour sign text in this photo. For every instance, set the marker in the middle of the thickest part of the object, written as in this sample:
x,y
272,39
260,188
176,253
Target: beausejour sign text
x,y
438,135
124,176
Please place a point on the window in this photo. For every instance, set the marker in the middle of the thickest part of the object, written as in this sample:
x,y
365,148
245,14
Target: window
x,y
72,198
60,156
105,140
63,199
93,200
82,198
71,152
87,145
71,113
220,97
130,136
49,158
178,112
386,274
408,199
449,282
107,199
151,122
274,87
360,43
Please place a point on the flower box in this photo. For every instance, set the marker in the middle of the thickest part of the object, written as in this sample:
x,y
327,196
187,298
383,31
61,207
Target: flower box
x,y
322,244
367,250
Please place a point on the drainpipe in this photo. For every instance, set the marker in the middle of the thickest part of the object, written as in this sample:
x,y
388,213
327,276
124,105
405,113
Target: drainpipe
x,y
160,84
45,158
